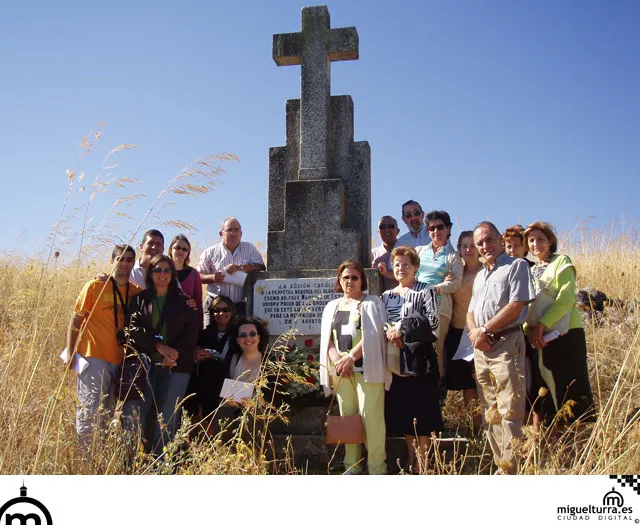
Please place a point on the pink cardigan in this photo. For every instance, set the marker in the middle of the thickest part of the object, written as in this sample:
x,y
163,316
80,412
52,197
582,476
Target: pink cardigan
x,y
192,286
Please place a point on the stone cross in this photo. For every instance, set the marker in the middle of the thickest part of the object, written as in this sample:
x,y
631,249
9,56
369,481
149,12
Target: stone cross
x,y
320,182
314,48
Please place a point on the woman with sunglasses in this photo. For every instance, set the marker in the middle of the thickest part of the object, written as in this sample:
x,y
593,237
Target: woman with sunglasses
x,y
212,358
189,277
441,267
352,359
165,328
249,341
413,401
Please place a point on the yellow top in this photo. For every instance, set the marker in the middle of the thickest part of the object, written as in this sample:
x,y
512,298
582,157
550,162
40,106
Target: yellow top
x,y
97,336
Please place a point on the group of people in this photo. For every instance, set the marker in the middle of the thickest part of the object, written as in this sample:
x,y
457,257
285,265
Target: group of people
x,y
479,317
178,346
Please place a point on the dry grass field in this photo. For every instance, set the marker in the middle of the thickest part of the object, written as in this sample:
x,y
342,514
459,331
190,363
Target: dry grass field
x,y
37,395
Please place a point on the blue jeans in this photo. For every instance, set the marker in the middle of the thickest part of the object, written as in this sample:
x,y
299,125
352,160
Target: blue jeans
x,y
164,392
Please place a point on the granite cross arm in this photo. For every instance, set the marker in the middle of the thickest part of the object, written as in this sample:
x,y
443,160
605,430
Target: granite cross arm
x,y
314,48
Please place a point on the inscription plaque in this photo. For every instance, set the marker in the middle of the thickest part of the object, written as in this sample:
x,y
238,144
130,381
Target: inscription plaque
x,y
293,303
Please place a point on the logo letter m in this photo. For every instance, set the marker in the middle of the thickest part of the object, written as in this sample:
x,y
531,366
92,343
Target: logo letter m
x,y
22,519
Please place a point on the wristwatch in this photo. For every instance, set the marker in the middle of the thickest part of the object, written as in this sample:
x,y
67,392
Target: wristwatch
x,y
483,329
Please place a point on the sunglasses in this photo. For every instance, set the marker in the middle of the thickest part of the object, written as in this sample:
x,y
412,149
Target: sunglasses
x,y
244,335
350,278
180,249
157,269
438,227
223,310
385,226
408,215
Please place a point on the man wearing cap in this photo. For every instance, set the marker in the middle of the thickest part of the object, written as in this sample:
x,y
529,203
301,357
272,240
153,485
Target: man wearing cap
x,y
413,217
501,291
381,255
225,258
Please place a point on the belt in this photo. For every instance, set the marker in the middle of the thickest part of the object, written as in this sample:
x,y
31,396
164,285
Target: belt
x,y
495,336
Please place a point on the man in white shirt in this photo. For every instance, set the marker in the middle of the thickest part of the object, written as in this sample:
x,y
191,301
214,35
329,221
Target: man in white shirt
x,y
413,217
152,244
227,257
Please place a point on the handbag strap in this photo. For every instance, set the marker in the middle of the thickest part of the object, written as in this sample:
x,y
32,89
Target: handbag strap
x,y
335,392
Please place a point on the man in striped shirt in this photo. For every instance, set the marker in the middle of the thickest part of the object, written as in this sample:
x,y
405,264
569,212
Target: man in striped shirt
x,y
225,258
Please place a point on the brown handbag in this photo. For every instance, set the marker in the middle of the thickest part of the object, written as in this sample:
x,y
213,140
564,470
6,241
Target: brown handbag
x,y
340,430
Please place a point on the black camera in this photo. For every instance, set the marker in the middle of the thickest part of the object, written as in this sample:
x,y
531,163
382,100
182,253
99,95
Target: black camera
x,y
121,337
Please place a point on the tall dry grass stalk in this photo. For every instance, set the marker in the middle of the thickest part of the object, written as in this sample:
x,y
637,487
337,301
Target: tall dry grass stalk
x,y
37,394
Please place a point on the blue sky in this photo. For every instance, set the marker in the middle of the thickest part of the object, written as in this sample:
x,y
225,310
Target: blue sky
x,y
512,111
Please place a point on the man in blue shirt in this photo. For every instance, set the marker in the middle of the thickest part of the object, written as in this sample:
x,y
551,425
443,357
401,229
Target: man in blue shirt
x,y
497,309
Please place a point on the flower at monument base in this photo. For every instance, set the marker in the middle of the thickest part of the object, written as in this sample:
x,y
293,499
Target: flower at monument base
x,y
300,373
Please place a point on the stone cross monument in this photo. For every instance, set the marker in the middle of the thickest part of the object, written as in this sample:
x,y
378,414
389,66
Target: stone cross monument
x,y
320,182
319,186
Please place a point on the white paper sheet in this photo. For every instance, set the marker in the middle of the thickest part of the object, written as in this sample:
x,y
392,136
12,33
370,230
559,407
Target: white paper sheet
x,y
236,278
80,364
465,348
236,390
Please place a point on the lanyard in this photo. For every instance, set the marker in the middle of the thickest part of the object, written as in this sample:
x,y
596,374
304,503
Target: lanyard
x,y
117,295
124,302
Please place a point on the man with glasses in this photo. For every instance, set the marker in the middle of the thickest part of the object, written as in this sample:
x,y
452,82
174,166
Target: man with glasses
x,y
96,332
381,255
413,217
152,244
225,258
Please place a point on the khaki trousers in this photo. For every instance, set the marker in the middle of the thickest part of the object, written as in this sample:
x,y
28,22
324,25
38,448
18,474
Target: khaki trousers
x,y
501,392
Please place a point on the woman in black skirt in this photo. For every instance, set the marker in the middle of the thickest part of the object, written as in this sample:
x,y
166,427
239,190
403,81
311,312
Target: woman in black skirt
x,y
460,372
563,358
412,405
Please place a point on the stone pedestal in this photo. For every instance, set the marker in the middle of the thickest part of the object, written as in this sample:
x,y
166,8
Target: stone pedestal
x,y
319,223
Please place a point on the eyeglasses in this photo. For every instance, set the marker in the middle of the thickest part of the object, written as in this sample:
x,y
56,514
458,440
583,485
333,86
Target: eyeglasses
x,y
231,230
158,269
244,335
385,226
180,249
223,310
438,227
350,278
408,215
